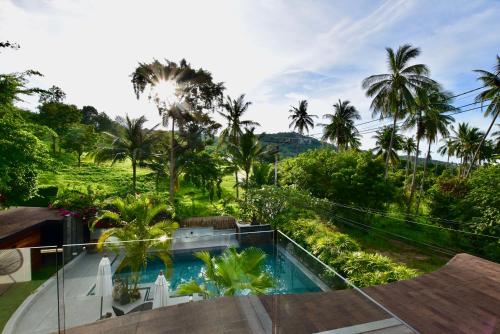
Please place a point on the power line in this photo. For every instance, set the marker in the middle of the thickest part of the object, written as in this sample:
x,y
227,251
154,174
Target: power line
x,y
434,247
369,130
472,90
417,223
408,214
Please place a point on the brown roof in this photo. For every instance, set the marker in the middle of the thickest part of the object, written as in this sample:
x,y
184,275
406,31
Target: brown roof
x,y
20,219
461,297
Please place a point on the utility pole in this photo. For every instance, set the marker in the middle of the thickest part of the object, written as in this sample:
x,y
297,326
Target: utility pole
x,y
276,152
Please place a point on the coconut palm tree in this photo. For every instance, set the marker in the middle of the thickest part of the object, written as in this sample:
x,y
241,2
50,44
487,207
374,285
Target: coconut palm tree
x,y
134,143
383,147
138,229
436,123
231,273
234,110
393,92
491,82
429,101
465,141
409,146
341,128
301,120
246,152
448,149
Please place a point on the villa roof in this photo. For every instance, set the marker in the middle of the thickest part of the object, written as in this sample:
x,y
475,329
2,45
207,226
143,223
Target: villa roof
x,y
21,219
461,297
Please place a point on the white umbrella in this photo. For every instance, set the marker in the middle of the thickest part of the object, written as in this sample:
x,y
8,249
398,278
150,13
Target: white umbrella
x,y
104,283
160,294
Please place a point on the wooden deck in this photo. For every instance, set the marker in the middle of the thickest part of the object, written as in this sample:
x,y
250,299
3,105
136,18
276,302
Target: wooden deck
x,y
461,297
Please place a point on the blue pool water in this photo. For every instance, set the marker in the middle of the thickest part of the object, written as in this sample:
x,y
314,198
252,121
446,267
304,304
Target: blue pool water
x,y
290,278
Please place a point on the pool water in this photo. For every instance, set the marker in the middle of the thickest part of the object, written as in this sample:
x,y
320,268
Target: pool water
x,y
186,267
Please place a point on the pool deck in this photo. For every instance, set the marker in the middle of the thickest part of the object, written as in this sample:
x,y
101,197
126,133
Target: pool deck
x,y
462,297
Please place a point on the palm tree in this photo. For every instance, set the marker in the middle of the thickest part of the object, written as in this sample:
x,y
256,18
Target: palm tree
x,y
492,93
428,101
436,122
301,120
231,273
177,90
234,110
448,149
384,138
134,143
341,128
393,92
246,152
409,146
139,230
465,141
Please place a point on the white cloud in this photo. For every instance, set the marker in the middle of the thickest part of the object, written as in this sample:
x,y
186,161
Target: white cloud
x,y
277,51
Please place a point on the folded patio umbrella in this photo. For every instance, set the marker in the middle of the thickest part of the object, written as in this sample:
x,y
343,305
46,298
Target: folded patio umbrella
x,y
104,283
160,294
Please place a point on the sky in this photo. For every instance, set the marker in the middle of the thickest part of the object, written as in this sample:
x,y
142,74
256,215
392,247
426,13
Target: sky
x,y
277,52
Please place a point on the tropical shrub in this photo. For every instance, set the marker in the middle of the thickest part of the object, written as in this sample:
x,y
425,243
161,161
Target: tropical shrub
x,y
231,273
471,205
275,205
81,203
22,155
141,234
347,177
343,254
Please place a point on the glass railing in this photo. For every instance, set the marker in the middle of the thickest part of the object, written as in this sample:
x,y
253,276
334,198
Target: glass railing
x,y
325,301
202,280
29,290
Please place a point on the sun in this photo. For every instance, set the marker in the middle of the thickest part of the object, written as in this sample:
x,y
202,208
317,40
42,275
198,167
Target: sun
x,y
167,91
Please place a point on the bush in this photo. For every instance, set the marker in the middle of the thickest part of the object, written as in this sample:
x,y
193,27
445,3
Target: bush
x,y
45,195
273,205
343,254
346,177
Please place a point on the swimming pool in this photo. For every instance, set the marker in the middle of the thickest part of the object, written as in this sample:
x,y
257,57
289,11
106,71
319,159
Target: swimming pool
x,y
290,278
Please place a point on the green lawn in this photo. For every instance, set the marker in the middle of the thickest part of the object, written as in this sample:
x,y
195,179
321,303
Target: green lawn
x,y
116,180
16,293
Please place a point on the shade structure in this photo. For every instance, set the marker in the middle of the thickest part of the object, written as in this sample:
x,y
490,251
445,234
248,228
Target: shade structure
x,y
104,282
160,294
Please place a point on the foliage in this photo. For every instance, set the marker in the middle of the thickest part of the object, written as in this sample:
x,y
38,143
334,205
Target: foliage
x,y
346,177
140,230
343,254
301,120
392,92
22,155
53,94
81,203
134,143
261,174
269,204
79,139
234,110
246,152
474,202
341,128
231,273
205,171
383,146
